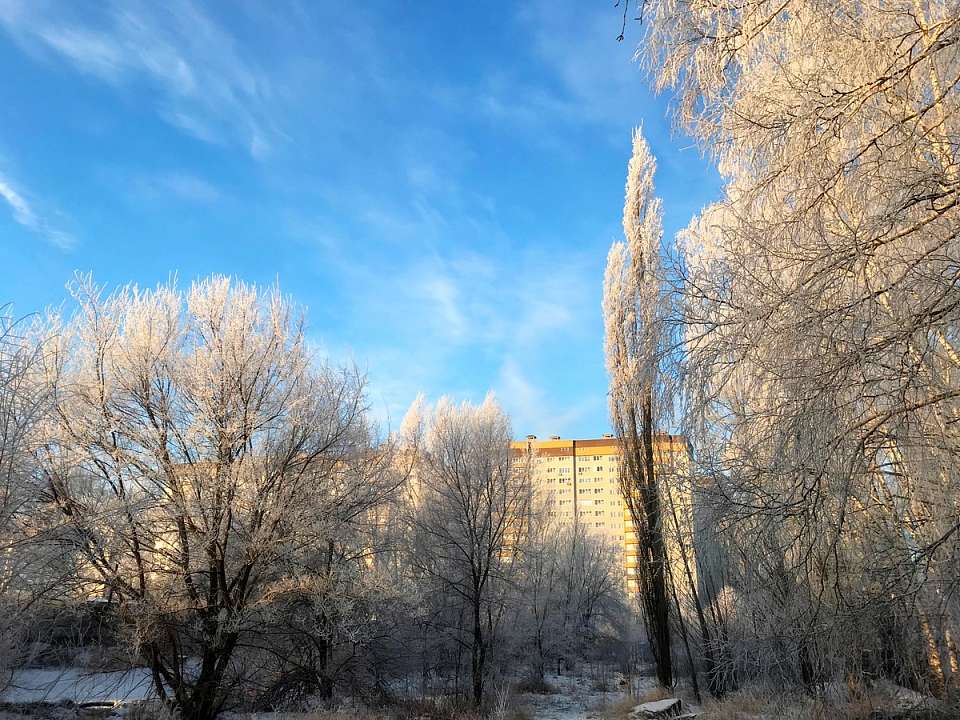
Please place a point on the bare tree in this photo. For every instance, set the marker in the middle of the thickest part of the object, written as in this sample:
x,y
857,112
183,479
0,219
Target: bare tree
x,y
470,515
26,573
203,462
571,590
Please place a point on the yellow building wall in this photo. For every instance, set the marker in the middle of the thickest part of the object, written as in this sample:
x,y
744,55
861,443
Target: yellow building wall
x,y
579,480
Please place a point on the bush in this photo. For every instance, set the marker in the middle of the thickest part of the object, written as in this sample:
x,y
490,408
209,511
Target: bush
x,y
535,685
148,710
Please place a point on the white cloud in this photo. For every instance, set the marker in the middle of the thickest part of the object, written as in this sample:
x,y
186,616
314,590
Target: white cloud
x,y
592,80
182,186
193,126
442,296
453,323
207,88
577,41
24,214
93,53
525,399
536,411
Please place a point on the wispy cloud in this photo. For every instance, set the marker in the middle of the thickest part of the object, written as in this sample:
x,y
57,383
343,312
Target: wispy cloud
x,y
24,214
527,402
537,411
207,88
180,186
454,322
592,80
578,43
92,52
191,188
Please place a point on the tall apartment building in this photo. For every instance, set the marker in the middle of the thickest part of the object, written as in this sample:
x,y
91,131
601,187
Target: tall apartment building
x,y
579,480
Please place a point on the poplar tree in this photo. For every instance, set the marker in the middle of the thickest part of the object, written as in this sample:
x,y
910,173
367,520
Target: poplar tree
x,y
633,325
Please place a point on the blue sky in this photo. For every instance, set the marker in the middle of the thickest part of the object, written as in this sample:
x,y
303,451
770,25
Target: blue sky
x,y
437,182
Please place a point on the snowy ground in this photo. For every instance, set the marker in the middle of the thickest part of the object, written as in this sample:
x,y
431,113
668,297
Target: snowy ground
x,y
76,686
574,699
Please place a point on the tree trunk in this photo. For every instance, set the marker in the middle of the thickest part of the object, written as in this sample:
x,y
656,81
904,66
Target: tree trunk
x,y
694,682
659,607
714,681
478,657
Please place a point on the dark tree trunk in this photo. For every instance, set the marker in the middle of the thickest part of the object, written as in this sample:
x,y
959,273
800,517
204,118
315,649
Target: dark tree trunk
x,y
657,603
478,656
694,681
714,681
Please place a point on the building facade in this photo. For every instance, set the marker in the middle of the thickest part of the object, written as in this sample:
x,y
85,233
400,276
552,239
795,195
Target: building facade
x,y
579,481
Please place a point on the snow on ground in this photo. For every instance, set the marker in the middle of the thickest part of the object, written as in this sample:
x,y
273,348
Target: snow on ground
x,y
574,699
78,686
574,696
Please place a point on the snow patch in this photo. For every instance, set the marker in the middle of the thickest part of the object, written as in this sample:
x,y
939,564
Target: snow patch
x,y
62,685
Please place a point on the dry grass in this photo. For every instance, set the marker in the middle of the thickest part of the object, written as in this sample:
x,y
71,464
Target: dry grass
x,y
537,686
748,704
620,710
413,710
654,694
735,706
520,712
758,705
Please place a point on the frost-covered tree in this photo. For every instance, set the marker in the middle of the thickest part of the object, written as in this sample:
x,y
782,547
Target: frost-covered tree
x,y
571,594
469,514
822,317
643,337
209,470
633,317
27,573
